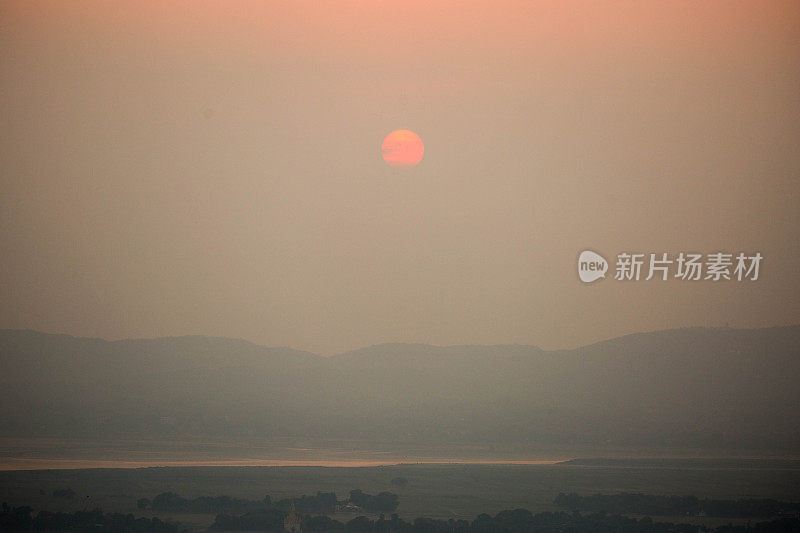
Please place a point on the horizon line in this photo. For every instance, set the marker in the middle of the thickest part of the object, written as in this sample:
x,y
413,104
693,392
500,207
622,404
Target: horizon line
x,y
391,343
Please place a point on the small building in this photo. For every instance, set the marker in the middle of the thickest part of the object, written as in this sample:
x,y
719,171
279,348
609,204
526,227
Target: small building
x,y
348,507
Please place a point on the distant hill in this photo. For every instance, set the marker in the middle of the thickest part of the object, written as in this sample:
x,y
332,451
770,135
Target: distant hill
x,y
694,387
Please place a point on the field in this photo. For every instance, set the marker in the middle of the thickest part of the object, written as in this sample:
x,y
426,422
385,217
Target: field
x,y
435,490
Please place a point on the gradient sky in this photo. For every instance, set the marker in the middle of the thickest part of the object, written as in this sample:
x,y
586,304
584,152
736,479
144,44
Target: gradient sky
x,y
171,168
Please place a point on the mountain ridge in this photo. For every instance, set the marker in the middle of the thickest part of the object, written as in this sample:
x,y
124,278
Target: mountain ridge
x,y
401,344
688,387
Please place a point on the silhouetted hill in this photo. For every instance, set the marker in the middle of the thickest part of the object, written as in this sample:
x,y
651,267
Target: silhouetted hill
x,y
691,387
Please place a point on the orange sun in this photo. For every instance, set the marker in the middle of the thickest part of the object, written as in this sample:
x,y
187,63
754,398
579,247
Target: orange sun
x,y
402,148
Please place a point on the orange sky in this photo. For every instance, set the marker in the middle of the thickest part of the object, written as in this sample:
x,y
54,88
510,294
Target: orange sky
x,y
215,167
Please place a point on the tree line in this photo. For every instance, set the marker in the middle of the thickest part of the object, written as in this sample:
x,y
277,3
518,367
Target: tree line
x,y
321,503
512,521
655,505
23,519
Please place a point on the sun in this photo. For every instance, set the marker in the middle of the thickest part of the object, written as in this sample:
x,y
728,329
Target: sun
x,y
402,148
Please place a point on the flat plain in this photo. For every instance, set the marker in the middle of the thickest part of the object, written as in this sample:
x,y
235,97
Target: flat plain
x,y
433,490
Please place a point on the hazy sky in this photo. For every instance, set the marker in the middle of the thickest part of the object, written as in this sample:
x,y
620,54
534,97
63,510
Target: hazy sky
x,y
215,168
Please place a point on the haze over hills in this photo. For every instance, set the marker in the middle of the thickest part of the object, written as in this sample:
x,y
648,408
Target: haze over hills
x,y
691,387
